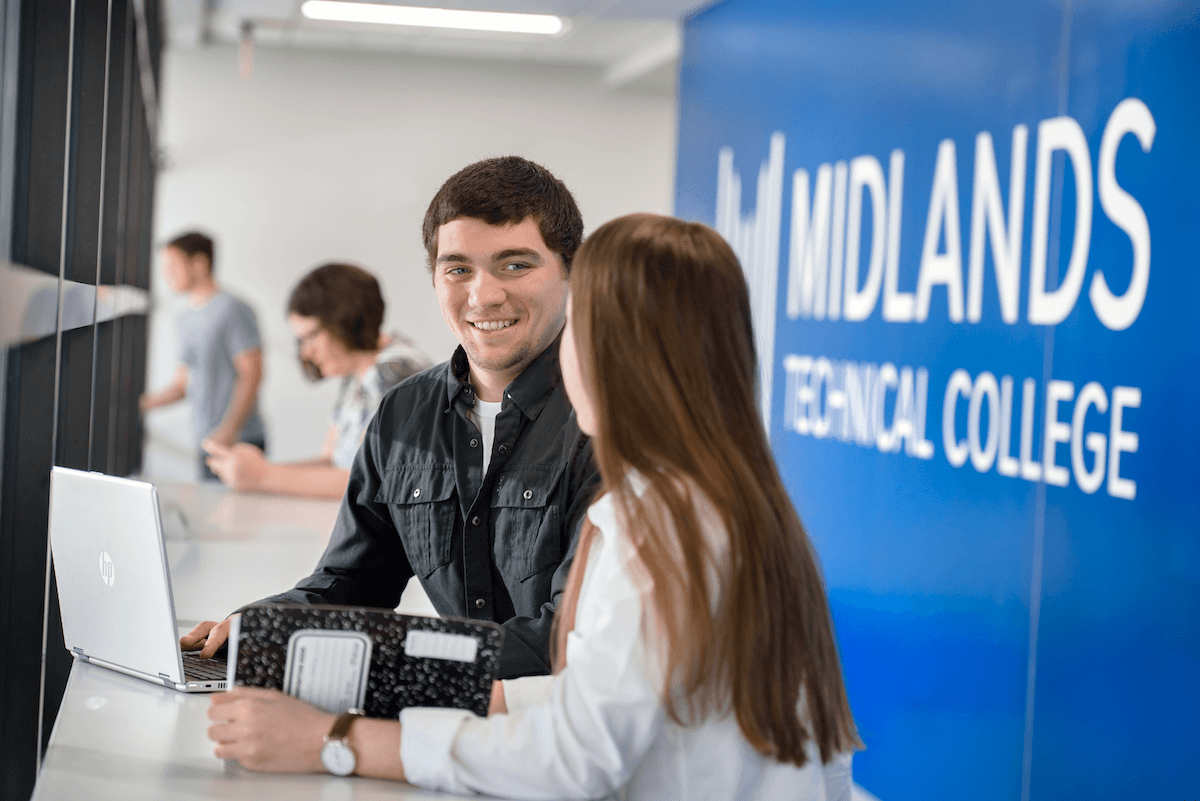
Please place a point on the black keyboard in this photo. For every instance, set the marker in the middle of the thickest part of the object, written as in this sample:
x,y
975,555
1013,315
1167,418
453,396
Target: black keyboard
x,y
197,669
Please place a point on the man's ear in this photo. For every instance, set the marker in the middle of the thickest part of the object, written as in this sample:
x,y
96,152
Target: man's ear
x,y
201,259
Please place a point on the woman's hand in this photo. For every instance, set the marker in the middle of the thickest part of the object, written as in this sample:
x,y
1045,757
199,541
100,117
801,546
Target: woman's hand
x,y
268,731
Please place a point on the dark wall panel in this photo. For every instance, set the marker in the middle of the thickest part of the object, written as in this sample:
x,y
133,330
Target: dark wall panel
x,y
87,140
41,133
90,377
28,427
116,153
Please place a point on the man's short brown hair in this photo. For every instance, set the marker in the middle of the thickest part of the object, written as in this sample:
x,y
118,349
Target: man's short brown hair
x,y
504,191
194,244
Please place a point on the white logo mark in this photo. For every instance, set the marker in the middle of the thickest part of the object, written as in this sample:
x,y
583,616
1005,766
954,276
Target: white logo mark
x,y
106,568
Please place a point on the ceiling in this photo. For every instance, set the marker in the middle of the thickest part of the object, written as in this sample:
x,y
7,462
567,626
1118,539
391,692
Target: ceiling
x,y
631,42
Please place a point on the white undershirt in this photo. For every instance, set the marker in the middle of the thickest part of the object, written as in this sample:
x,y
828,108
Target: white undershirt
x,y
485,416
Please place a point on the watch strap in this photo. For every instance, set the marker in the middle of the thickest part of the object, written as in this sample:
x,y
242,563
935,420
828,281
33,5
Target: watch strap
x,y
341,726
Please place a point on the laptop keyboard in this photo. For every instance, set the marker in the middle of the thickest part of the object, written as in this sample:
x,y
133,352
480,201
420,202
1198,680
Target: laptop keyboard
x,y
197,669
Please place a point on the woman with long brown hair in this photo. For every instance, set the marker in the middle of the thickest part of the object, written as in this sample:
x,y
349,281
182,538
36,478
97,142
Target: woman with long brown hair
x,y
696,657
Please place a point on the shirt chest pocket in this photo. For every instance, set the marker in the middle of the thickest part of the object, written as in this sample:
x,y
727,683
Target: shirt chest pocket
x,y
422,504
528,527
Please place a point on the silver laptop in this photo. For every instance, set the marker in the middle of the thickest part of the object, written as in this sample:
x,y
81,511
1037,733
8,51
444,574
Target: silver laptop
x,y
114,586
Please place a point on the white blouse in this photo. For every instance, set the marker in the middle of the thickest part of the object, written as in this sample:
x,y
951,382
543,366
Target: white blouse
x,y
598,729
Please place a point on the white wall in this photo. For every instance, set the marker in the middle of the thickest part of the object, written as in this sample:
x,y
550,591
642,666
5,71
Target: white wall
x,y
325,155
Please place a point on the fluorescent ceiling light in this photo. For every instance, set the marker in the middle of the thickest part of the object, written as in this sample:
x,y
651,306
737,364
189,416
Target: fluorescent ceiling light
x,y
338,11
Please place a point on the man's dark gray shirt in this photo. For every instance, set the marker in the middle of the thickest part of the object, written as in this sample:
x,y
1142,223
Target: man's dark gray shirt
x,y
492,547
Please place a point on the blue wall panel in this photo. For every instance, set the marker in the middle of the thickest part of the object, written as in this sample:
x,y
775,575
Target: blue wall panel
x,y
1013,625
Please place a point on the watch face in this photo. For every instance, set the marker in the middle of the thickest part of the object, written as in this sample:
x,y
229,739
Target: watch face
x,y
338,758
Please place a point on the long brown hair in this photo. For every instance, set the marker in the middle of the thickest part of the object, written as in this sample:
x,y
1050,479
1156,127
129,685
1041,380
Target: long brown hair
x,y
661,319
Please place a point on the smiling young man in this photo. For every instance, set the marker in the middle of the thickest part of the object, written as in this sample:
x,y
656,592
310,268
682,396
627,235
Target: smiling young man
x,y
473,475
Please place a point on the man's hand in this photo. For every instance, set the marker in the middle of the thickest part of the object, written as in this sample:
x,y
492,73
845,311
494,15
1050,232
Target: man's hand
x,y
220,436
175,391
266,730
242,467
206,638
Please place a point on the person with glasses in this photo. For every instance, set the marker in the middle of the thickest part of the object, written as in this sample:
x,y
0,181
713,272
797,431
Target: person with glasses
x,y
336,313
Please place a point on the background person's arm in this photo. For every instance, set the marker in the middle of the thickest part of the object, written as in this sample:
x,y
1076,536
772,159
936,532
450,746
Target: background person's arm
x,y
244,468
249,367
171,393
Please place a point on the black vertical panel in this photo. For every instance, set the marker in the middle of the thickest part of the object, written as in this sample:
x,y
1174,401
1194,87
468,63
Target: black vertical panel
x,y
28,425
113,243
154,25
57,668
101,370
107,402
116,150
75,399
87,139
127,453
149,174
74,433
132,209
41,133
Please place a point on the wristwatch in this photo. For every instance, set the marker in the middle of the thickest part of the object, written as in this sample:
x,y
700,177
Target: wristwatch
x,y
336,755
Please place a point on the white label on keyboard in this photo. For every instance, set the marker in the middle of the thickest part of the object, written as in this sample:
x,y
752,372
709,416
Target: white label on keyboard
x,y
328,669
439,645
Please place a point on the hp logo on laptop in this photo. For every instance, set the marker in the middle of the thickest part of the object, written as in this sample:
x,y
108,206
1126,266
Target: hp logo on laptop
x,y
106,568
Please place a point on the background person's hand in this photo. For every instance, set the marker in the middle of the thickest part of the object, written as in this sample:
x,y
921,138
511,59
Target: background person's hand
x,y
220,436
206,637
241,467
266,730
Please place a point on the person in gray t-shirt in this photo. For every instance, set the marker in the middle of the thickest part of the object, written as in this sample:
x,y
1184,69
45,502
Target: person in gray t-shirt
x,y
221,356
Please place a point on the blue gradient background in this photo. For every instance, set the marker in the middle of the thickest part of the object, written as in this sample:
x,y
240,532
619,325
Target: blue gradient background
x,y
930,567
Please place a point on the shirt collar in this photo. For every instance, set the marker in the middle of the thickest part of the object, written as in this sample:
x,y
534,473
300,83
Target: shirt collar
x,y
530,391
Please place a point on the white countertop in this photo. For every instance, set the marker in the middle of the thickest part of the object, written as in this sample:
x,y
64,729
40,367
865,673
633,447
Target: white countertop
x,y
125,739
118,737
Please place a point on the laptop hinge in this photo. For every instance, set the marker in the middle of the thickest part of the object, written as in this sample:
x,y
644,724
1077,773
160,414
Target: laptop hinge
x,y
77,651
167,680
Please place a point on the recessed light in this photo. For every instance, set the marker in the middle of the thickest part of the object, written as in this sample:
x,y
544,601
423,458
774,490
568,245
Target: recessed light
x,y
338,11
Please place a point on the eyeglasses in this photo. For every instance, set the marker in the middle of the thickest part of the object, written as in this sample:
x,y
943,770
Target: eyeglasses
x,y
301,341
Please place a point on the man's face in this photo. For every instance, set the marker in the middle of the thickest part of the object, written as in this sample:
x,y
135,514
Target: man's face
x,y
177,269
503,293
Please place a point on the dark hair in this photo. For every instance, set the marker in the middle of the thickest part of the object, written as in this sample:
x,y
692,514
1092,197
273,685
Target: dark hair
x,y
661,321
194,244
346,301
504,191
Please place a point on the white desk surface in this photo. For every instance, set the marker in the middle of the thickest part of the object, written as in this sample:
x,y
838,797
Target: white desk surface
x,y
117,737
